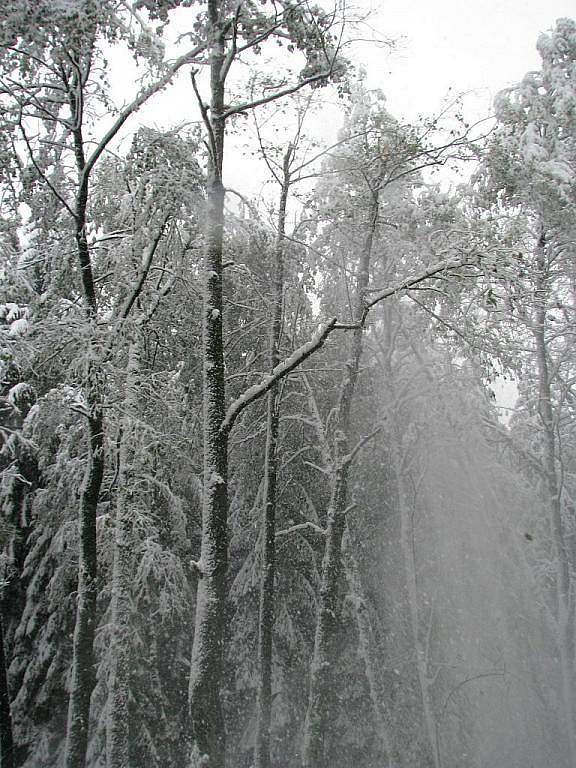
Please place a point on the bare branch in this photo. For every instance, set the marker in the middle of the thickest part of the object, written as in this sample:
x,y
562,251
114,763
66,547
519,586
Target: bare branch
x,y
234,47
41,173
497,673
206,120
359,445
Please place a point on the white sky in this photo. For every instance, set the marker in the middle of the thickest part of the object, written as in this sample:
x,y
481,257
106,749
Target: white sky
x,y
481,46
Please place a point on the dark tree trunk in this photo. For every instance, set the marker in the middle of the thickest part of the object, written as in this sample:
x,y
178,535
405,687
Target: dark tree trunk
x,y
266,616
6,737
121,628
83,674
205,708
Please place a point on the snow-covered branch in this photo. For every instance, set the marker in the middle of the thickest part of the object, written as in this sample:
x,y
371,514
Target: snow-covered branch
x,y
146,263
140,100
290,89
278,373
410,282
301,527
360,444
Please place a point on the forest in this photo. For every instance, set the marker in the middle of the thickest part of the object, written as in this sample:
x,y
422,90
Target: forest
x,y
288,465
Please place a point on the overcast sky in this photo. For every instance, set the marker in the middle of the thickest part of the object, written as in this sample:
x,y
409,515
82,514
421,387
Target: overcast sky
x,y
480,46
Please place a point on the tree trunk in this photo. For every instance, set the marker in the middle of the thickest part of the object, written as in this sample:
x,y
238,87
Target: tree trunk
x,y
266,614
6,737
402,475
117,724
205,708
83,676
322,681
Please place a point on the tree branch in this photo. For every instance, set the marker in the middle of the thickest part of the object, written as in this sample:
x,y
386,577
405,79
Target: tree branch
x,y
141,99
41,173
300,527
277,94
234,47
143,272
410,282
359,445
205,118
279,372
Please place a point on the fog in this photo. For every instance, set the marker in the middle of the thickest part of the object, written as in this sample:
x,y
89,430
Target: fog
x,y
469,658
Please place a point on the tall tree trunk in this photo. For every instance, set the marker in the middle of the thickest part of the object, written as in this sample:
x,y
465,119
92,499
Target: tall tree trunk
x,y
205,707
564,590
322,678
266,614
117,724
6,737
83,675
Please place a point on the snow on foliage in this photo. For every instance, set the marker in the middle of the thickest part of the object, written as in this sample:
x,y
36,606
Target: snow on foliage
x,y
20,394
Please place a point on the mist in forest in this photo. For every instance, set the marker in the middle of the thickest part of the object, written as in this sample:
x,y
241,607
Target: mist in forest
x,y
466,625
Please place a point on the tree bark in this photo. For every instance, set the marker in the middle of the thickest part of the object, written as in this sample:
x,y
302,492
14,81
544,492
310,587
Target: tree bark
x,y
6,734
322,679
205,708
268,574
83,675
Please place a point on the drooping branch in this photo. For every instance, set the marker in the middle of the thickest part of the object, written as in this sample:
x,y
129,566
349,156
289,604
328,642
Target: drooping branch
x,y
40,172
147,258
